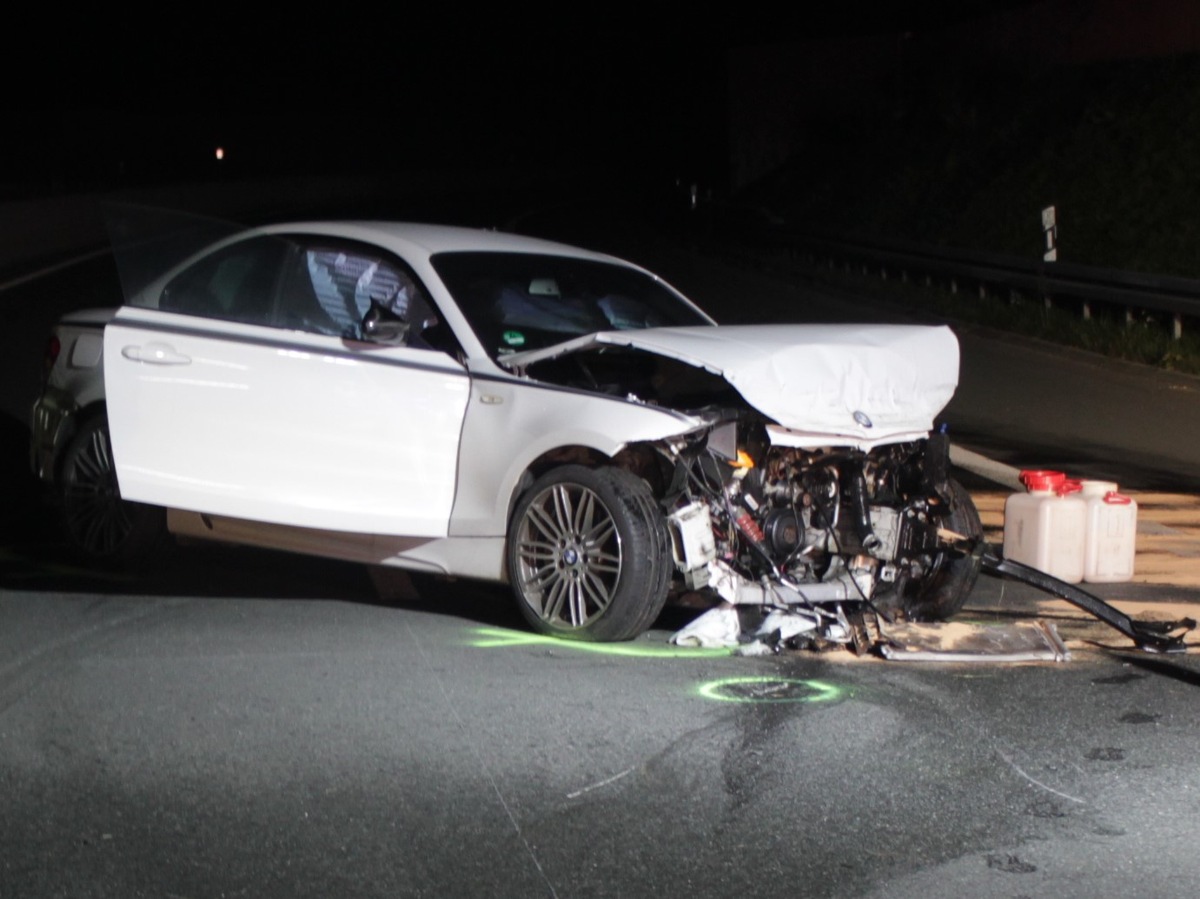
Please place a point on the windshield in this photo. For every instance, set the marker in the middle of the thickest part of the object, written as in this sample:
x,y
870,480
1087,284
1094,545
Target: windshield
x,y
522,301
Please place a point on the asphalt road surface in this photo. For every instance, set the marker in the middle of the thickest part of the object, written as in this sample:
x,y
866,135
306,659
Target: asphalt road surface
x,y
245,724
242,723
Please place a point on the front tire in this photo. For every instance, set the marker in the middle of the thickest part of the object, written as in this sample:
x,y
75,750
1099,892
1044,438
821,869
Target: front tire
x,y
588,554
99,524
955,573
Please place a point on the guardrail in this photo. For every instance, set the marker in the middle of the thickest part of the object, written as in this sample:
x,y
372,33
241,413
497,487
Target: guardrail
x,y
1054,282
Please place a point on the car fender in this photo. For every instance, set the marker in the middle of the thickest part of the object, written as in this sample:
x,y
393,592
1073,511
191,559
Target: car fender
x,y
510,423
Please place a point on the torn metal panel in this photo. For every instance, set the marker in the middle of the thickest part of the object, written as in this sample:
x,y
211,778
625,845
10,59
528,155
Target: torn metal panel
x,y
1020,641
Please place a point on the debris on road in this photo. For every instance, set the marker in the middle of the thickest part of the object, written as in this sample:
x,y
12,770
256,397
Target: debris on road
x,y
861,626
952,641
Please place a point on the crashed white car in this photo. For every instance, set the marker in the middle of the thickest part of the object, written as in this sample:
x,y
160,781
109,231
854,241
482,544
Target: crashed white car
x,y
499,407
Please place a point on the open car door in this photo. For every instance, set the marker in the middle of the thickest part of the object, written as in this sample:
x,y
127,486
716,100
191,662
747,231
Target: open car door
x,y
237,388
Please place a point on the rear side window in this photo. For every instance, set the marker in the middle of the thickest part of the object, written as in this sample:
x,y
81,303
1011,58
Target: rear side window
x,y
238,283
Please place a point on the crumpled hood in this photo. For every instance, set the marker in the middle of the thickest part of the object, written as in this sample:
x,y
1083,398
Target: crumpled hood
x,y
863,381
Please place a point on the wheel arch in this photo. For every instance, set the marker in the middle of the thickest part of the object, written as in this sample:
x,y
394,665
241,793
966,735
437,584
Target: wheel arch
x,y
640,459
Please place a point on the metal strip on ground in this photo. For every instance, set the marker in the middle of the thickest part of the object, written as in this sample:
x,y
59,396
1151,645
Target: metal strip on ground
x,y
954,641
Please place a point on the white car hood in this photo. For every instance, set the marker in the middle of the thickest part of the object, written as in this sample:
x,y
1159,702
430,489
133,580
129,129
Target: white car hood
x,y
869,382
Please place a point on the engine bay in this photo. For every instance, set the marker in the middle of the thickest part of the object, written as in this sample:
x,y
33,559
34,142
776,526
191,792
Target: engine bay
x,y
810,530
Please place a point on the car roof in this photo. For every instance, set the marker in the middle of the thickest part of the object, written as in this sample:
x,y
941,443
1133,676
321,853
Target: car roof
x,y
411,238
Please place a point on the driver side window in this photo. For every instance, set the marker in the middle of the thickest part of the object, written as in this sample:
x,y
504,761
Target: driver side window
x,y
329,290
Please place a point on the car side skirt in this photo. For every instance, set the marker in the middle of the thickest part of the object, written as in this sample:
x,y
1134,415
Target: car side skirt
x,y
473,557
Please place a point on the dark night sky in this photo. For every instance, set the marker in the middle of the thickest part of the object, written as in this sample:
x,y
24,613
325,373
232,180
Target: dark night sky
x,y
234,56
341,86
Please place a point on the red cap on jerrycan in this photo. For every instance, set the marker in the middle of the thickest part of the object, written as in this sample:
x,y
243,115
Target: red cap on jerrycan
x,y
1041,481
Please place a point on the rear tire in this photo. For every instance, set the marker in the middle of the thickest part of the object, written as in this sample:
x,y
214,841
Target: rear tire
x,y
101,526
589,555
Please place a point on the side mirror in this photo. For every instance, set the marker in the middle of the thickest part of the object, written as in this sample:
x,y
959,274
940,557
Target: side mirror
x,y
382,325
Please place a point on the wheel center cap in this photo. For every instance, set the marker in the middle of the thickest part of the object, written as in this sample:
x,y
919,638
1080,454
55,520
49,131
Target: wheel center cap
x,y
570,555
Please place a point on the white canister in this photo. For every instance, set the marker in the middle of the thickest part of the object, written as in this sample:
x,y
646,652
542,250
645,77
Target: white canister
x,y
1045,527
1110,542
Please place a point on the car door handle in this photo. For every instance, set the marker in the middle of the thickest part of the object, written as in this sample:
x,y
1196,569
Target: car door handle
x,y
155,354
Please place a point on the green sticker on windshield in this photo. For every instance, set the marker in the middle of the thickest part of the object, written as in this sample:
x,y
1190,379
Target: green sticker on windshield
x,y
513,338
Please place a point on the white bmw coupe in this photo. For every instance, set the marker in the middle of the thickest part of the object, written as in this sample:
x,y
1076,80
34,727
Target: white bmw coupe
x,y
499,407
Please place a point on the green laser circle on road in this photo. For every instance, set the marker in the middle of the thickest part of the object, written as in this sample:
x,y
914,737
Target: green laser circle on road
x,y
771,689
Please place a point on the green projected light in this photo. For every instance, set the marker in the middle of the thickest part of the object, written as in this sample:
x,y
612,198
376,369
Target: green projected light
x,y
492,637
771,689
727,689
